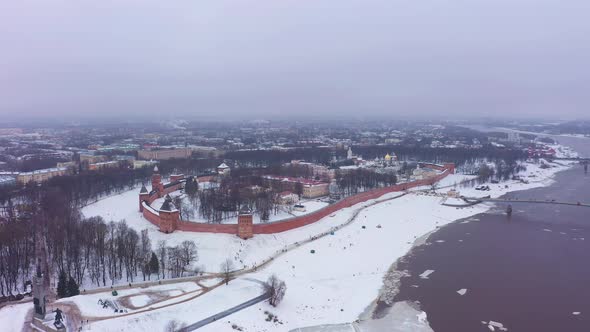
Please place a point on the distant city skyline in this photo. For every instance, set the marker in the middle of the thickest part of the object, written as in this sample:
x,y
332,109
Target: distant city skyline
x,y
222,60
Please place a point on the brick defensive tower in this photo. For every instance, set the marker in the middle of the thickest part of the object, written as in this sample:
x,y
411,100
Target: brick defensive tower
x,y
169,216
143,197
245,223
157,184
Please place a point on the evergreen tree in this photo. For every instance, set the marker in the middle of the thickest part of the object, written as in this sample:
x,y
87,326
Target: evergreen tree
x,y
62,285
154,266
73,288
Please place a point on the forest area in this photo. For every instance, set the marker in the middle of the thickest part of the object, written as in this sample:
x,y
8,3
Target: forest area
x,y
90,251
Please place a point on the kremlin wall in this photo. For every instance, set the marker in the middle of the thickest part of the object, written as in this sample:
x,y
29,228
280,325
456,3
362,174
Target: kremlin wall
x,y
167,218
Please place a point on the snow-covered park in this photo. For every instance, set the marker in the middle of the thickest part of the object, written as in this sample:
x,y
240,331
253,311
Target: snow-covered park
x,y
126,300
285,211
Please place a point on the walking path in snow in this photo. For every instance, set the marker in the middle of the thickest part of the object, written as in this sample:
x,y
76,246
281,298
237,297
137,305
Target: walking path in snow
x,y
226,313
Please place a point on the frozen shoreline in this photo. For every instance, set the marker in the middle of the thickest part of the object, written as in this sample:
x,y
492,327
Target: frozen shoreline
x,y
382,308
407,222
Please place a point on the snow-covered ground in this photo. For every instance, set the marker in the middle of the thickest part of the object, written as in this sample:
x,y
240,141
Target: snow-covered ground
x,y
213,248
139,300
222,298
333,285
310,206
89,306
336,283
534,175
563,151
12,316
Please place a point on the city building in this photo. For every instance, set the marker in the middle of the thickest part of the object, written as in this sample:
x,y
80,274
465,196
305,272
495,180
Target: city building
x,y
41,175
317,170
104,165
92,159
513,137
164,154
143,163
309,188
424,173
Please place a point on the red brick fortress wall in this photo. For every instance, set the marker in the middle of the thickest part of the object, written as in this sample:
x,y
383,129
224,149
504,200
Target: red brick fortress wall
x,y
290,223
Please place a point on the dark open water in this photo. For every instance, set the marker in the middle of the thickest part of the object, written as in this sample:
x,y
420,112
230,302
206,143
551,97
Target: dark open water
x,y
530,272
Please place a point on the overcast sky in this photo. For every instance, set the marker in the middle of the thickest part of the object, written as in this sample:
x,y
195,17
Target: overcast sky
x,y
264,58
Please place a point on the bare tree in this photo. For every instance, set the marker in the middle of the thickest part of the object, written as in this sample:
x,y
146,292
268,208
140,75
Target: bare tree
x,y
162,255
433,186
175,262
276,288
174,326
226,268
188,252
145,253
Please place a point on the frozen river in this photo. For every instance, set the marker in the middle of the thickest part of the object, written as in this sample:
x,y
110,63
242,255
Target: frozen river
x,y
529,272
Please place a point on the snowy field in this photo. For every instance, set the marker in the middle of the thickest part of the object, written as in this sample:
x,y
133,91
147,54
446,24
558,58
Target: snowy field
x,y
213,249
358,258
224,297
89,306
12,316
344,275
310,206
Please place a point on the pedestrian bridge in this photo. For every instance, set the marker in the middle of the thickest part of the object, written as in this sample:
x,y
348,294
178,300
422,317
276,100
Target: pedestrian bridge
x,y
470,201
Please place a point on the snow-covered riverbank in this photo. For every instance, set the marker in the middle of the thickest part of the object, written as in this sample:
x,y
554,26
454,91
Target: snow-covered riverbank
x,y
331,286
345,274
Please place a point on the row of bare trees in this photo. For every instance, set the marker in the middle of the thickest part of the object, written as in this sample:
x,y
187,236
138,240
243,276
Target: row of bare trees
x,y
89,250
177,260
351,182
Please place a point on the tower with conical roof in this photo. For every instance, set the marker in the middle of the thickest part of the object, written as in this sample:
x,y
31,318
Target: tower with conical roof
x,y
157,184
169,216
144,196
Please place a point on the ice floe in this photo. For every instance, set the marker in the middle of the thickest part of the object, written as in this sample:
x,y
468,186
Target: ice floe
x,y
426,273
495,326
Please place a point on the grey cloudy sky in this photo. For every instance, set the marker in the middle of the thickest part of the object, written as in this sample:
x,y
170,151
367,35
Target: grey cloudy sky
x,y
305,57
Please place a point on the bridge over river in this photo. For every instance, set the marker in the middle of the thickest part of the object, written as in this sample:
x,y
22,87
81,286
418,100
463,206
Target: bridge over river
x,y
470,201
